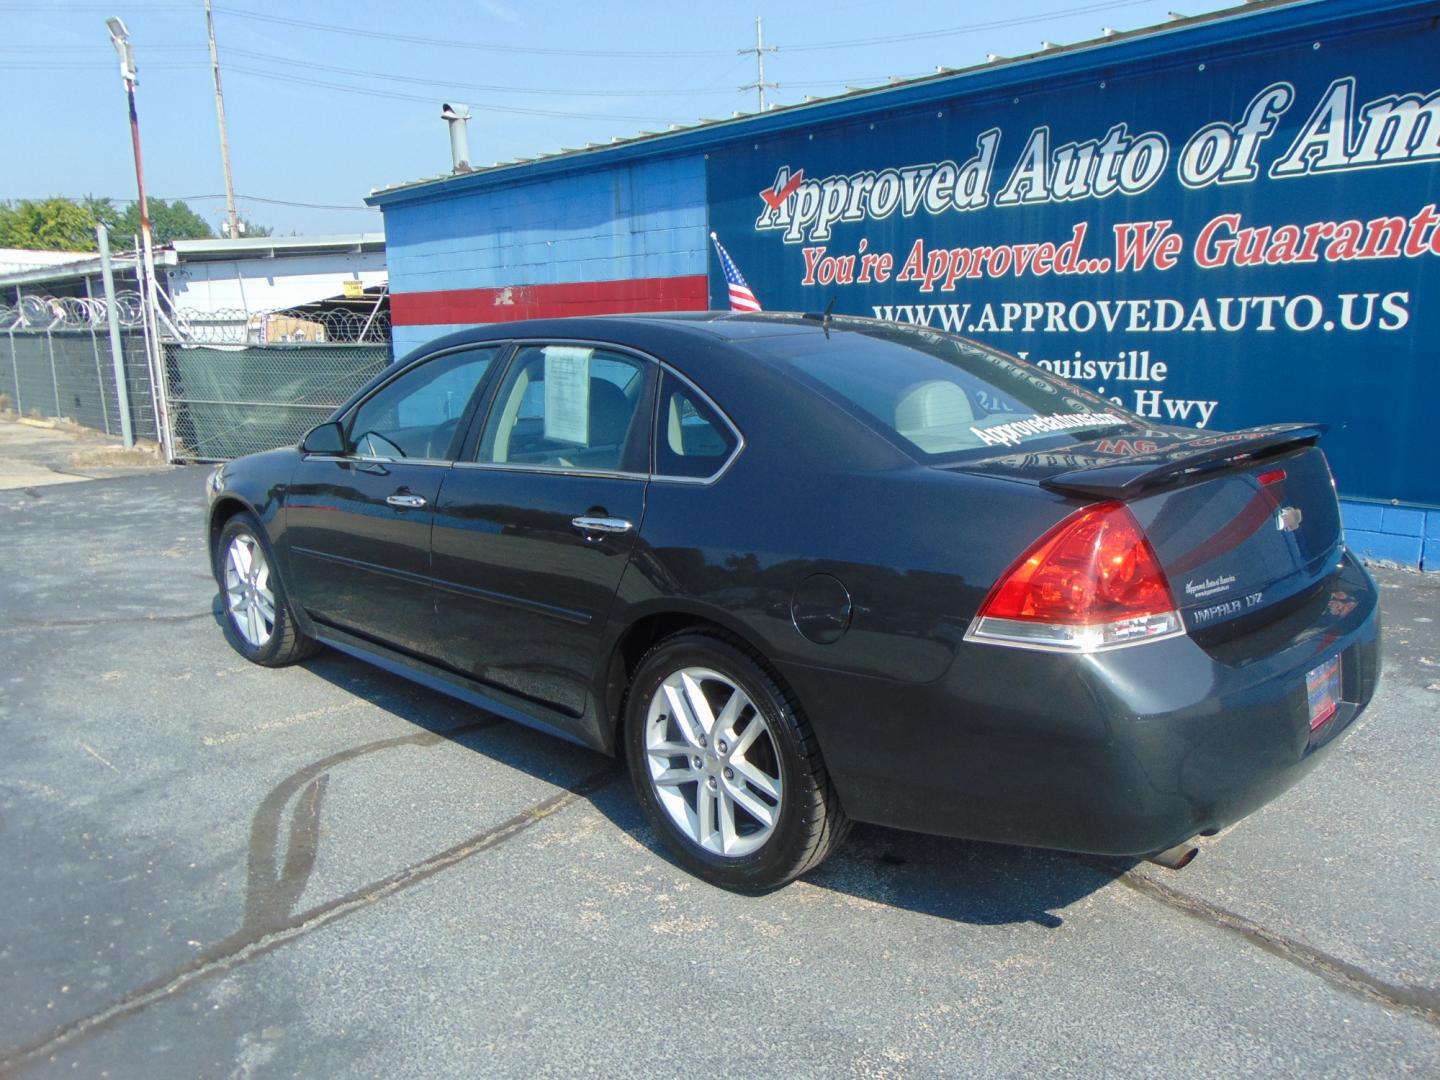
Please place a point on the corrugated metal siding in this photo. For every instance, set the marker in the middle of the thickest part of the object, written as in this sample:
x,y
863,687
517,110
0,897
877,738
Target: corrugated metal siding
x,y
406,339
641,221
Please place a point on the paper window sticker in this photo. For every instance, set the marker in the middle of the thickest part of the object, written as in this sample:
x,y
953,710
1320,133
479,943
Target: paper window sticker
x,y
567,394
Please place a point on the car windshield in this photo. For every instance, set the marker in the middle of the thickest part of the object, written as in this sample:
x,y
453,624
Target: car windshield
x,y
941,397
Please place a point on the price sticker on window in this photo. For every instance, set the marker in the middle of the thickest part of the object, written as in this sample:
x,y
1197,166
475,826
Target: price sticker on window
x,y
567,394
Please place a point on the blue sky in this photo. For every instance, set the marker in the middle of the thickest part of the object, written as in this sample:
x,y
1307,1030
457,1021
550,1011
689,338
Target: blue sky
x,y
376,120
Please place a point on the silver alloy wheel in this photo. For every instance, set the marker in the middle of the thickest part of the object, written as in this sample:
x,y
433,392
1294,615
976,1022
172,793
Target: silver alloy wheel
x,y
714,762
248,590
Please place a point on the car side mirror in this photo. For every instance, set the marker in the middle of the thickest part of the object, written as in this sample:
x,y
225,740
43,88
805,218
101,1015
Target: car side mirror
x,y
327,438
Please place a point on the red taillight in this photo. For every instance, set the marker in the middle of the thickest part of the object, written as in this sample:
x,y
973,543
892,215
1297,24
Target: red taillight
x,y
1271,476
1090,582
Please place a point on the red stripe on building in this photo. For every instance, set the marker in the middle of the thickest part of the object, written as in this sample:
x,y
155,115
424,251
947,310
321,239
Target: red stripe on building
x,y
550,301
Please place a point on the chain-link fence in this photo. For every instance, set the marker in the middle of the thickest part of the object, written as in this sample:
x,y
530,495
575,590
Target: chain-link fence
x,y
70,375
235,382
225,402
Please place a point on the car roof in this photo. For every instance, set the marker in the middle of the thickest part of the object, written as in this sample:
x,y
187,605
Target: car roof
x,y
703,345
761,393
648,328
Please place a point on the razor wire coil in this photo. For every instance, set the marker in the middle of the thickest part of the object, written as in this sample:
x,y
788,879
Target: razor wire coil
x,y
189,325
35,312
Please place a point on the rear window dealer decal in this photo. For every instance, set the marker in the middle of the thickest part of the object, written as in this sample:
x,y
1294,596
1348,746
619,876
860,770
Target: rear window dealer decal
x,y
1016,431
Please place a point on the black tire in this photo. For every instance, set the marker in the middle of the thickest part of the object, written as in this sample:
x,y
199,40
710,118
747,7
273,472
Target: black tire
x,y
810,822
286,643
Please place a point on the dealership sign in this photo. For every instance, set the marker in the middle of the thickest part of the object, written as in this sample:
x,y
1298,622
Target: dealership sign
x,y
1214,242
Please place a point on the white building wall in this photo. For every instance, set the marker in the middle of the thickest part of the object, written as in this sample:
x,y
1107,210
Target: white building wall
x,y
254,285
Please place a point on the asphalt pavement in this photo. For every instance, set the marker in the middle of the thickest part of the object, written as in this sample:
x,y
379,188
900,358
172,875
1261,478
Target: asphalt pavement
x,y
213,869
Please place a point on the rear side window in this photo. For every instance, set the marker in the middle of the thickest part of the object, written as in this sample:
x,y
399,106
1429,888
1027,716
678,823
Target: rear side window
x,y
691,440
942,397
569,407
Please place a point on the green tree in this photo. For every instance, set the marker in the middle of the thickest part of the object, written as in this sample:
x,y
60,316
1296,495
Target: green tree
x,y
99,209
63,224
53,224
168,221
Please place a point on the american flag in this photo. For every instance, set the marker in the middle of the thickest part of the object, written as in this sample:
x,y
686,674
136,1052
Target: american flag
x,y
741,298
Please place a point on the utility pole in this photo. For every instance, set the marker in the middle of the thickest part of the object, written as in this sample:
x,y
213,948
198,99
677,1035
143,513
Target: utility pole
x,y
120,38
233,219
760,49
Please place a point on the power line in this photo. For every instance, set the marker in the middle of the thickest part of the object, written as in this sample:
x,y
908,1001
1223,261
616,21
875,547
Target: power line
x,y
355,31
39,48
860,80
487,87
970,28
553,91
847,43
201,198
280,202
79,64
430,100
91,65
30,8
36,64
633,54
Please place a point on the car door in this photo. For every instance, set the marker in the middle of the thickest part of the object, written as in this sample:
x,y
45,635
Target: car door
x,y
533,532
358,524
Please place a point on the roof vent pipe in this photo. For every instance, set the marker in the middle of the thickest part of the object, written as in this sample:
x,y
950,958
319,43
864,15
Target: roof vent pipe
x,y
457,116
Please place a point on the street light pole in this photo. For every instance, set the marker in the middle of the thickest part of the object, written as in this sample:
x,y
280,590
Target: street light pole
x,y
120,38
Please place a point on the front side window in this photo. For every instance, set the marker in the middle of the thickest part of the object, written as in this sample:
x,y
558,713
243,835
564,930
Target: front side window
x,y
416,414
568,407
690,439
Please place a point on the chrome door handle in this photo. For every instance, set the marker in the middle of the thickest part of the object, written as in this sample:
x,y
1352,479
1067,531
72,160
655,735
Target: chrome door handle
x,y
406,502
601,524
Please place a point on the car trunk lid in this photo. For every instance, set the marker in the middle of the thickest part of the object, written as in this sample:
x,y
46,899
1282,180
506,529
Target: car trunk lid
x,y
1240,522
1246,538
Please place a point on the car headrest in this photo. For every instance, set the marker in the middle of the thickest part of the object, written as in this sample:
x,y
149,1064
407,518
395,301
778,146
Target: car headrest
x,y
930,405
609,413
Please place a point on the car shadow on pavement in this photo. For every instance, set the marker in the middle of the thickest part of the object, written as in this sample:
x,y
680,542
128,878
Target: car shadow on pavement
x,y
962,881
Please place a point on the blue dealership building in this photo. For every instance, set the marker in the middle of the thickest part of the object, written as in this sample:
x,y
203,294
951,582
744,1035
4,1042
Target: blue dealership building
x,y
1218,222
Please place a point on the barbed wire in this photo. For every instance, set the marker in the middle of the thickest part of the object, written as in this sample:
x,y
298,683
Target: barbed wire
x,y
221,326
69,312
231,326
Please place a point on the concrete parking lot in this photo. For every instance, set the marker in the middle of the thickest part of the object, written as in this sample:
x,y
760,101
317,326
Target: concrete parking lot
x,y
46,452
212,869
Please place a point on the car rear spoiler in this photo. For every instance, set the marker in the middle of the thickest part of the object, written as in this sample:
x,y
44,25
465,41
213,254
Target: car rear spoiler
x,y
1127,478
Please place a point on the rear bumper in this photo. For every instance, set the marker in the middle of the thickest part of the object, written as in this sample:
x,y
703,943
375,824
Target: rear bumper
x,y
1124,752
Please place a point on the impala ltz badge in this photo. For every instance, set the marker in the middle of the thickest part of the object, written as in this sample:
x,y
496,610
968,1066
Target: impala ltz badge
x,y
1289,518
